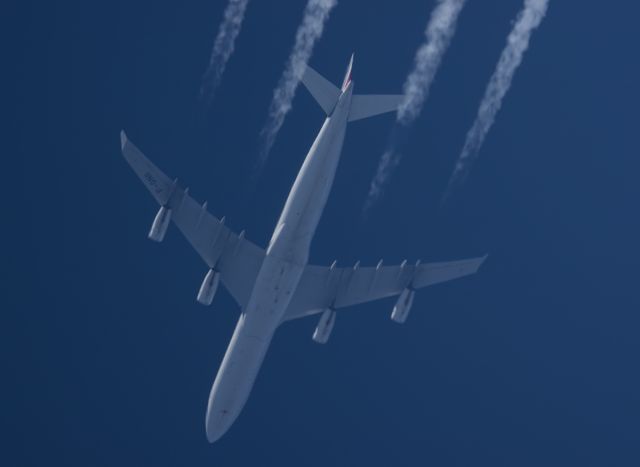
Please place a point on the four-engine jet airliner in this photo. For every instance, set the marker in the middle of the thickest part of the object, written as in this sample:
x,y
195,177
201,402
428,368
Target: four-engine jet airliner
x,y
276,284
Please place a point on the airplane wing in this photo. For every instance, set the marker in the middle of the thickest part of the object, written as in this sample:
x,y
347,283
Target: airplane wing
x,y
321,288
237,259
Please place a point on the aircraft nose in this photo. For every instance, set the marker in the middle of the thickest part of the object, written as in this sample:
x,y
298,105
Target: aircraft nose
x,y
213,433
219,419
217,425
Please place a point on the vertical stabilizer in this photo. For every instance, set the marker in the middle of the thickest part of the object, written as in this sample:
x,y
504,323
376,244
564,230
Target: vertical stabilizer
x,y
362,105
347,75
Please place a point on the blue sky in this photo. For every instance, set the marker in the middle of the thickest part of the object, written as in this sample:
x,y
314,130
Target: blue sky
x,y
108,359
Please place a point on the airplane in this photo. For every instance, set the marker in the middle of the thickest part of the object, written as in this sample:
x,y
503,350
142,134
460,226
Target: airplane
x,y
277,284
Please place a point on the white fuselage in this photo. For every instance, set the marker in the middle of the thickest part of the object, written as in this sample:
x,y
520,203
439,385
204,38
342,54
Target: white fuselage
x,y
280,273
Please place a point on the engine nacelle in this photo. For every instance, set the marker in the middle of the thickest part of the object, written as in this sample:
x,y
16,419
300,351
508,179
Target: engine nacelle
x,y
209,287
160,224
403,306
325,326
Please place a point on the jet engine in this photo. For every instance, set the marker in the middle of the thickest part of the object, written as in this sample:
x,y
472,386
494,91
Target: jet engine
x,y
160,224
325,326
209,287
403,306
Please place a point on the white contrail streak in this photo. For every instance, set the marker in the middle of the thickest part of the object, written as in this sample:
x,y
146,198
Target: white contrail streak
x,y
438,34
528,20
387,164
223,47
315,15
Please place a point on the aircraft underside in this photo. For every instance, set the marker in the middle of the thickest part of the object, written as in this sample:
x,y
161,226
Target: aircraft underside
x,y
276,284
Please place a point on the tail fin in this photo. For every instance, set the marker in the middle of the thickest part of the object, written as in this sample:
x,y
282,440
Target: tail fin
x,y
347,75
362,106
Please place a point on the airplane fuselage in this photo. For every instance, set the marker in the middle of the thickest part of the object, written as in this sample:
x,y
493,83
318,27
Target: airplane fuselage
x,y
286,257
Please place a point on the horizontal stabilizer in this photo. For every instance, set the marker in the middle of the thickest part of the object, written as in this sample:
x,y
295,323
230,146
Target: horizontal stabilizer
x,y
322,90
363,106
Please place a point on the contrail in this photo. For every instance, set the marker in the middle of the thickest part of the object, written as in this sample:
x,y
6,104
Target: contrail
x,y
438,34
528,19
315,15
223,47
